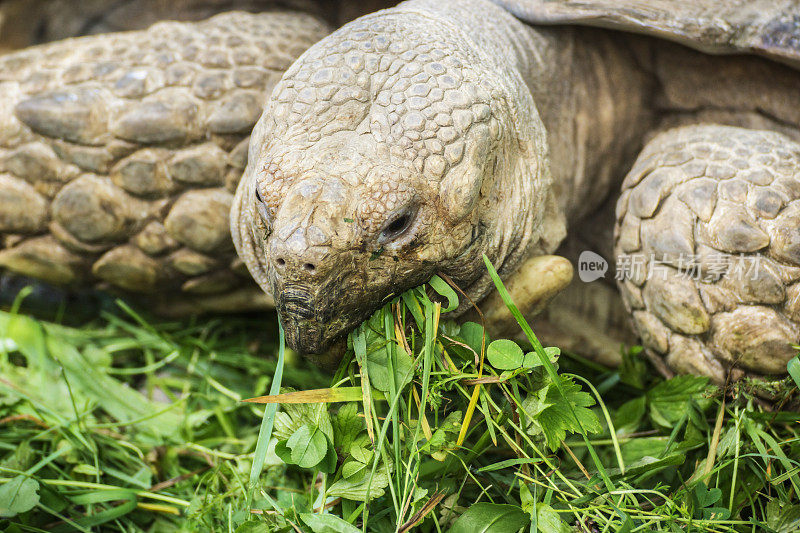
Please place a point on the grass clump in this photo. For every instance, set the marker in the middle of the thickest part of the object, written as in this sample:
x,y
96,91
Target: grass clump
x,y
427,425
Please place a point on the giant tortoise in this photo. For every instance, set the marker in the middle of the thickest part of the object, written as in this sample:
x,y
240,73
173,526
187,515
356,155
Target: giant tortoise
x,y
353,165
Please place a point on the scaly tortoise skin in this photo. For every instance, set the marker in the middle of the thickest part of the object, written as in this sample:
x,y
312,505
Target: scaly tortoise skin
x,y
30,22
120,153
411,142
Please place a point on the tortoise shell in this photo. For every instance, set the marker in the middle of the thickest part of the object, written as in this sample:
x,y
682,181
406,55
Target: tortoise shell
x,y
769,28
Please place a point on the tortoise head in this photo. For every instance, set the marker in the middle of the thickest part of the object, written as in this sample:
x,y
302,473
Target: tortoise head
x,y
378,163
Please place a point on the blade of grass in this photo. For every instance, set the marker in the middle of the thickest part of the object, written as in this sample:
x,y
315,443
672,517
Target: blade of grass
x,y
734,476
488,417
793,367
551,371
394,392
381,455
265,433
473,400
712,448
360,350
607,415
329,395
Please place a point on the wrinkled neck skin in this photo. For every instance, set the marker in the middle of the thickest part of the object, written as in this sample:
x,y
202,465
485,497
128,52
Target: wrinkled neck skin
x,y
421,109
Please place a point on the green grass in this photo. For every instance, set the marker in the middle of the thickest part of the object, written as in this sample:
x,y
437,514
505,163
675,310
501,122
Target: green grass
x,y
132,424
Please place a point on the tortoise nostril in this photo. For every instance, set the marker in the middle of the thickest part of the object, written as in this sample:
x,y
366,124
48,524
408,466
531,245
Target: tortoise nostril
x,y
309,267
280,261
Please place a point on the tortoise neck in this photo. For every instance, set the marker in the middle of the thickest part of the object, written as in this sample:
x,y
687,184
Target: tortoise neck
x,y
593,100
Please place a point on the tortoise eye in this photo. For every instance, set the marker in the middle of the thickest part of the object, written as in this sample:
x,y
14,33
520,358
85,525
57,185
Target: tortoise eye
x,y
261,207
398,226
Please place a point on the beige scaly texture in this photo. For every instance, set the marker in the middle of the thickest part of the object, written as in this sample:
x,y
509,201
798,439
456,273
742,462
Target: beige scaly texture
x,y
707,231
119,153
419,109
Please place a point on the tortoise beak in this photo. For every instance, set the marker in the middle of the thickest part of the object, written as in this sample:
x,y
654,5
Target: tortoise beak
x,y
317,318
303,315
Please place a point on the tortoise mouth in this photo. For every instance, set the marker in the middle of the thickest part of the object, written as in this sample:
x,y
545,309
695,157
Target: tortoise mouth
x,y
315,318
318,310
305,336
307,332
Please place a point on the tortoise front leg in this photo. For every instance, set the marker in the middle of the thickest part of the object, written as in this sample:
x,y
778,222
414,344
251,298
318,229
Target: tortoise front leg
x,y
531,288
120,153
708,249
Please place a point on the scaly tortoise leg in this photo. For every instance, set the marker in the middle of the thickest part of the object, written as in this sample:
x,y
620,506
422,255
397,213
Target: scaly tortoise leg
x,y
26,23
119,155
708,246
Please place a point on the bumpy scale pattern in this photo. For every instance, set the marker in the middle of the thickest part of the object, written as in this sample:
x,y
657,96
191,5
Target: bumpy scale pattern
x,y
119,152
380,77
708,245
